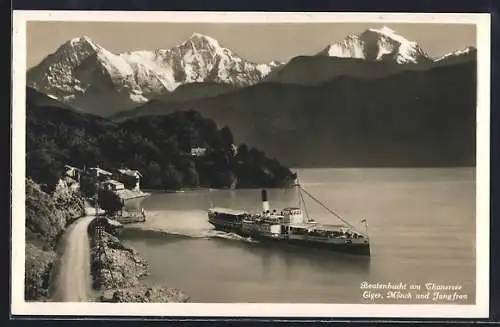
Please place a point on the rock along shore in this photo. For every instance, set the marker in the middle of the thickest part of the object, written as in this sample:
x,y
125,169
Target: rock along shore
x,y
117,270
117,279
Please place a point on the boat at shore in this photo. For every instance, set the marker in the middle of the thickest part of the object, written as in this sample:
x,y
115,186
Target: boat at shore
x,y
291,226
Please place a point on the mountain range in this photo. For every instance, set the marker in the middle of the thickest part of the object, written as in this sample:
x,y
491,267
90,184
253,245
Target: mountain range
x,y
371,99
87,76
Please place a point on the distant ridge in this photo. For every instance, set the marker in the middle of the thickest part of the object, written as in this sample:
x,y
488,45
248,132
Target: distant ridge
x,y
83,74
410,118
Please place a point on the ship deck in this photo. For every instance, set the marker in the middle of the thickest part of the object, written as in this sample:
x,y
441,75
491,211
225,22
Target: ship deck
x,y
325,227
228,211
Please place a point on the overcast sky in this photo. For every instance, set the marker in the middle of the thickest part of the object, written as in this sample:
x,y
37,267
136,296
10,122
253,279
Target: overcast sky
x,y
257,42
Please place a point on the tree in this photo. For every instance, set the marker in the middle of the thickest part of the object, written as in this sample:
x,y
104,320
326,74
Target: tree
x,y
88,185
227,137
242,152
129,181
56,136
152,175
191,176
109,201
223,179
44,169
172,178
136,162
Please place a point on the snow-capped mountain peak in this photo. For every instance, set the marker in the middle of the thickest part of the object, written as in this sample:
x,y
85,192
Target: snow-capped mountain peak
x,y
377,45
390,33
198,37
457,53
81,70
80,44
384,30
200,43
82,39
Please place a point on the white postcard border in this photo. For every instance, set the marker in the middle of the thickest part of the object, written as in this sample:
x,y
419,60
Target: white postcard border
x,y
479,310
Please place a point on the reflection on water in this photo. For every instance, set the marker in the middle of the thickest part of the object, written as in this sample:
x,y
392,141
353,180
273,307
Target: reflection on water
x,y
291,256
421,225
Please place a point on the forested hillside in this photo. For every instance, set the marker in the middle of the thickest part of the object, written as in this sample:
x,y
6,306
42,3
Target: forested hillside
x,y
158,146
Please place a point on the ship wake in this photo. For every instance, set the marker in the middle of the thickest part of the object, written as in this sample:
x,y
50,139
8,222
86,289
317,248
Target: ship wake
x,y
189,224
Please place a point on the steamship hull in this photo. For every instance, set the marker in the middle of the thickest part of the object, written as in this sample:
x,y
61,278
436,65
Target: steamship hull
x,y
283,240
289,227
359,249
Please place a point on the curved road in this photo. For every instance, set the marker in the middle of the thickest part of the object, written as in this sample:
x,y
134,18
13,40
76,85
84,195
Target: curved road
x,y
73,282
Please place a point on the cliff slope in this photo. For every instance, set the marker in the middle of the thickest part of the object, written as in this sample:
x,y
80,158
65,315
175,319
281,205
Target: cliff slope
x,y
47,215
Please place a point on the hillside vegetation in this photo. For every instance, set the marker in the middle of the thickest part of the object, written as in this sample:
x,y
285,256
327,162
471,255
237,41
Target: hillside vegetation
x,y
159,147
47,216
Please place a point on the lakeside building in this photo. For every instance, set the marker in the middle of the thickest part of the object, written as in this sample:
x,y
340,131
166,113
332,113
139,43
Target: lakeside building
x,y
123,182
100,174
198,151
126,175
112,185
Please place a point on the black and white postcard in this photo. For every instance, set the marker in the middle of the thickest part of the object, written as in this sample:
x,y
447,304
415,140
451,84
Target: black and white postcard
x,y
250,164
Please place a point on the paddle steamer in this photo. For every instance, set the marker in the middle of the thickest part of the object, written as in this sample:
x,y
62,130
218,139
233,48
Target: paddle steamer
x,y
291,226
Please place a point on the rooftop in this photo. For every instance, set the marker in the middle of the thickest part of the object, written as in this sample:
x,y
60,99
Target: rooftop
x,y
126,194
111,181
99,170
126,171
71,167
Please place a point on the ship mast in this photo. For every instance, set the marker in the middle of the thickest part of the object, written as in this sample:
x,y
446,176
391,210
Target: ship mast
x,y
331,211
301,200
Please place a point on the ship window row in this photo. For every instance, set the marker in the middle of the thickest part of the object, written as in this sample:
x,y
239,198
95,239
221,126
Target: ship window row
x,y
303,231
228,217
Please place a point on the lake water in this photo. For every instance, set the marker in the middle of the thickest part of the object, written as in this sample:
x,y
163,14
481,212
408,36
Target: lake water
x,y
421,224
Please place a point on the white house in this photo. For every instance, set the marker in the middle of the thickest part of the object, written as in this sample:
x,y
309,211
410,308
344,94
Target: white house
x,y
198,152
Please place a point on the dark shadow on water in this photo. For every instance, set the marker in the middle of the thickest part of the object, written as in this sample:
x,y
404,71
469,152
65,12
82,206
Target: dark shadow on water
x,y
294,256
291,256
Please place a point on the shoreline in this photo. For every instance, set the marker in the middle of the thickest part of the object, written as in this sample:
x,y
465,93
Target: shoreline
x,y
118,271
48,217
208,189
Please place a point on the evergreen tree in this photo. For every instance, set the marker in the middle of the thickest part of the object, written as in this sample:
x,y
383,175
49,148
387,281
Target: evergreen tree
x,y
109,201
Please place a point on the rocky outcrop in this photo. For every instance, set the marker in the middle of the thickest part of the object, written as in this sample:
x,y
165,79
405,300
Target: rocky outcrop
x,y
47,215
113,264
117,270
144,294
38,265
67,197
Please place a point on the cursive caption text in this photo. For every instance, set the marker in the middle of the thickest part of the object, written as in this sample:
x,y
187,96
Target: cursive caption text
x,y
404,291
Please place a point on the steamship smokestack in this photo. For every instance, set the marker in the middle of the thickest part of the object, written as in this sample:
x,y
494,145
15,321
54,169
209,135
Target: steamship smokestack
x,y
265,203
